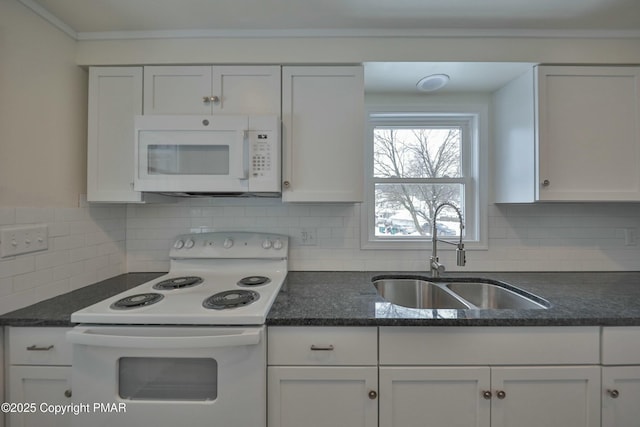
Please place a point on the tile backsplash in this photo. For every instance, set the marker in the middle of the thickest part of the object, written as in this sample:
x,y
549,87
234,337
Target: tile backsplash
x,y
94,242
539,237
86,245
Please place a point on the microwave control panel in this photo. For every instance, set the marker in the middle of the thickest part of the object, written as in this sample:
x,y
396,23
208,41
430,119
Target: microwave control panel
x,y
264,158
261,158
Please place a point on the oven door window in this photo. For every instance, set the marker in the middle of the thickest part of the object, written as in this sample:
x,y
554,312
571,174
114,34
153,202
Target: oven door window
x,y
160,378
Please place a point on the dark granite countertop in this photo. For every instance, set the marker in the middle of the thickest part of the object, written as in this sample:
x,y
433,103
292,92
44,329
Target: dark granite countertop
x,y
349,298
57,310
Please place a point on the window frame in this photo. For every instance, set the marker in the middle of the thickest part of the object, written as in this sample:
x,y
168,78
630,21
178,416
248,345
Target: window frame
x,y
474,169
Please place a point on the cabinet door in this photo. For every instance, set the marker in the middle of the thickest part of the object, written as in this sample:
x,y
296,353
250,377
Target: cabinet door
x,y
589,133
322,396
115,98
177,90
621,388
443,396
323,134
50,385
567,396
247,89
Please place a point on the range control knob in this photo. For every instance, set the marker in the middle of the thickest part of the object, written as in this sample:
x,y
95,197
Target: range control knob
x,y
227,243
189,244
277,245
266,244
179,244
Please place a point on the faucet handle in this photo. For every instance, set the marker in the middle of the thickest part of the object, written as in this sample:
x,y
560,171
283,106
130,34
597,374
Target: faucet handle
x,y
436,268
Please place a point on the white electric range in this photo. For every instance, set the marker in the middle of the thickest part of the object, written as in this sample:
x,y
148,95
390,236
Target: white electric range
x,y
187,345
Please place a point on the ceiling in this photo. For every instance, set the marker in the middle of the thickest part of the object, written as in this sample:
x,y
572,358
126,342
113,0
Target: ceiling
x,y
174,15
98,19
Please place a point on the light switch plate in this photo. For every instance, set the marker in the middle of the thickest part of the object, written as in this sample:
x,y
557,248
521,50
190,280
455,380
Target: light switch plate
x,y
23,239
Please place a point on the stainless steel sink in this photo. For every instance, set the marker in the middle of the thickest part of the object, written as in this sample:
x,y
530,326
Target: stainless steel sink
x,y
416,293
487,295
461,294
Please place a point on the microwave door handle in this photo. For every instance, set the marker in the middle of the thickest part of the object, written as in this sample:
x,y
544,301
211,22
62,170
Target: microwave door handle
x,y
246,155
88,337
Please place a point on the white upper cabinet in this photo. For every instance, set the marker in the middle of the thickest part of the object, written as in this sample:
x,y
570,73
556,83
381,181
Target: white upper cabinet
x,y
323,134
582,142
205,90
115,97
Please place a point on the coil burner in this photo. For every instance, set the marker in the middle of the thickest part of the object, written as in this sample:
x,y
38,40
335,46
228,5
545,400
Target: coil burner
x,y
254,281
136,301
230,299
178,283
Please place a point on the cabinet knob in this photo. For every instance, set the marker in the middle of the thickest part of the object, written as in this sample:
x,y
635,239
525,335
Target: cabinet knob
x,y
545,183
373,394
208,99
486,394
67,393
613,393
501,394
286,184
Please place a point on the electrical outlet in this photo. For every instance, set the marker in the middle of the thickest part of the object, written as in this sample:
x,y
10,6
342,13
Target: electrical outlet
x,y
23,239
308,237
630,237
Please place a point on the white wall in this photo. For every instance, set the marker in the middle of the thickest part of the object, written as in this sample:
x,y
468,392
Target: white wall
x,y
277,50
43,114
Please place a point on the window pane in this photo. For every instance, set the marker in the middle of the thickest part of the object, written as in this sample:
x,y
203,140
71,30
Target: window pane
x,y
425,152
406,209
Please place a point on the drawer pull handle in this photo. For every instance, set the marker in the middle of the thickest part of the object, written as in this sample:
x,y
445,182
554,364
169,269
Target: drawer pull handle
x,y
36,348
67,393
321,348
613,393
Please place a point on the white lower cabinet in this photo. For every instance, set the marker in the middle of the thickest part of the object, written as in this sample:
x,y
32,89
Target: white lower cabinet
x,y
39,376
438,396
322,377
322,396
481,377
620,376
564,396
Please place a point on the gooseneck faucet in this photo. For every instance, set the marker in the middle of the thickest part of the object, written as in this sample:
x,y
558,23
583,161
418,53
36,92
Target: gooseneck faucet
x,y
436,267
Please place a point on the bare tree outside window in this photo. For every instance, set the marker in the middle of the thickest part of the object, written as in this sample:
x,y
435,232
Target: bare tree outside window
x,y
416,169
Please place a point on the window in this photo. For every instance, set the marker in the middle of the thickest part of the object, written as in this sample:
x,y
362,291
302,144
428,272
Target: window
x,y
415,162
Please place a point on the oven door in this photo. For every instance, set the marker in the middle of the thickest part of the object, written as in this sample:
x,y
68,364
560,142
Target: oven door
x,y
168,376
191,154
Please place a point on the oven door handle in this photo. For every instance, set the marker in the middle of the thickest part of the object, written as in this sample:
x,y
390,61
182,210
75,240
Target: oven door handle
x,y
89,337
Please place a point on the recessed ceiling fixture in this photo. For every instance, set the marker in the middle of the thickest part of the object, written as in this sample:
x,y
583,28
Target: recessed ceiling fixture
x,y
433,82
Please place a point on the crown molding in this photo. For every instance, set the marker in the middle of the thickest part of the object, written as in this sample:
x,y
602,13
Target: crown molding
x,y
362,33
52,19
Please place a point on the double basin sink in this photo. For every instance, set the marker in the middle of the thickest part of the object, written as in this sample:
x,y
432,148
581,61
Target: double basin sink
x,y
451,293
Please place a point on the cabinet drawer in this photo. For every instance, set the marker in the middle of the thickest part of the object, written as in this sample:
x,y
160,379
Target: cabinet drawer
x,y
621,345
38,346
489,345
323,346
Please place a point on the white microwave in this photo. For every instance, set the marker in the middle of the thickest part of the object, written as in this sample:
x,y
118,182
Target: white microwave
x,y
219,154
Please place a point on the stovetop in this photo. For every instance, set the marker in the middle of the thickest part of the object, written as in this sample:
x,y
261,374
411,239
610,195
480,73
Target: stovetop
x,y
218,278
